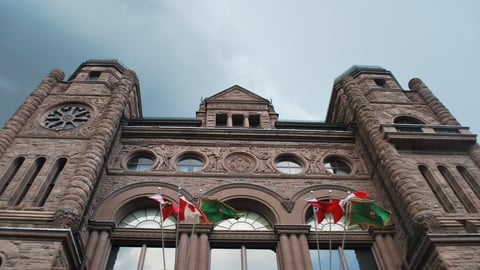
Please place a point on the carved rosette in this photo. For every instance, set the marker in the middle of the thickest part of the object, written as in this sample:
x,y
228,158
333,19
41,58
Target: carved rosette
x,y
240,163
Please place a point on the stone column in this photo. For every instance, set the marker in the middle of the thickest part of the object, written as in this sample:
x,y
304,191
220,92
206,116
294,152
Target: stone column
x,y
182,251
246,122
229,120
387,249
91,245
13,126
101,247
286,252
307,261
203,252
294,252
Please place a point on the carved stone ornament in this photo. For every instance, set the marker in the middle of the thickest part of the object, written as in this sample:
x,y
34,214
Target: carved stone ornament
x,y
66,116
66,218
240,163
427,222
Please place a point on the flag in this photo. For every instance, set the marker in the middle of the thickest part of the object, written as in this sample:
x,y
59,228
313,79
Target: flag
x,y
169,208
367,212
216,210
336,210
355,194
158,198
188,209
319,208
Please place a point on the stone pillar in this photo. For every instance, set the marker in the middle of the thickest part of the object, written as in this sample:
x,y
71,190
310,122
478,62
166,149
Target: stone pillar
x,y
182,251
296,252
293,247
307,261
91,245
387,249
286,252
101,247
203,252
192,252
229,120
13,126
246,122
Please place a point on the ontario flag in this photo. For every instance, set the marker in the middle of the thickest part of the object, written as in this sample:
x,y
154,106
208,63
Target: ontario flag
x,y
368,213
320,208
188,209
217,210
356,194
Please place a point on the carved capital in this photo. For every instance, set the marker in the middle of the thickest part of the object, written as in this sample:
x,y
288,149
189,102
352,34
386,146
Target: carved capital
x,y
66,218
427,222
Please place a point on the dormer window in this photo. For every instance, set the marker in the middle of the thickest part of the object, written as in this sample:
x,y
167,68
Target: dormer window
x,y
379,82
94,75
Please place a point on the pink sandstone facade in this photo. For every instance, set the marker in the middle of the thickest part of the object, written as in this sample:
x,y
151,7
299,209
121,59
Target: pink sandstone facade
x,y
77,159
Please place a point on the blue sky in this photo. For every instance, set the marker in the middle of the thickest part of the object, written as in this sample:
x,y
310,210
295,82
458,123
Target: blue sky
x,y
286,51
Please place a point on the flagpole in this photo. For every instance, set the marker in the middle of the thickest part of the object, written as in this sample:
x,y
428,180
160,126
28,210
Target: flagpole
x,y
345,226
191,235
161,229
330,234
316,233
177,231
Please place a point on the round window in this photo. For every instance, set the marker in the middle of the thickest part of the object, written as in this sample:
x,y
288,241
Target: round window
x,y
189,164
66,116
140,163
288,165
336,166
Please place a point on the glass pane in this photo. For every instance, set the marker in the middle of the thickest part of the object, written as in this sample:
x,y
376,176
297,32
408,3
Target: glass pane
x,y
189,165
154,258
261,259
331,260
249,221
140,163
222,259
123,258
290,167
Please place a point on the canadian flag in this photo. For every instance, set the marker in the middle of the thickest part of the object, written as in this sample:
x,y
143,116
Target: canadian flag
x,y
188,209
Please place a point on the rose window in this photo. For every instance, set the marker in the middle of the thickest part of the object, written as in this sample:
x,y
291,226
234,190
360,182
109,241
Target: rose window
x,y
66,116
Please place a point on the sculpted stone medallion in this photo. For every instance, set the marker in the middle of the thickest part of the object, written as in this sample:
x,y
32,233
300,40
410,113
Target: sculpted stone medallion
x,y
240,163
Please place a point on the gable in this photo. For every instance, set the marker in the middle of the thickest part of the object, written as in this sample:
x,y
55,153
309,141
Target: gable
x,y
236,93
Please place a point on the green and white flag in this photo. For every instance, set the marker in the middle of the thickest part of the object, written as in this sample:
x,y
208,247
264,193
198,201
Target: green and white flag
x,y
216,210
368,213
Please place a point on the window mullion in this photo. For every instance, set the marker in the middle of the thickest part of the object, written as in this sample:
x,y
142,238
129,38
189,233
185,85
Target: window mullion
x,y
141,260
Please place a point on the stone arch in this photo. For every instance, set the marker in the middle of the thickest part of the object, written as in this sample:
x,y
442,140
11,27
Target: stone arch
x,y
252,197
132,197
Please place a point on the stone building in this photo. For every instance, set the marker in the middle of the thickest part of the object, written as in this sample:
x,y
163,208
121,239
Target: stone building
x,y
78,161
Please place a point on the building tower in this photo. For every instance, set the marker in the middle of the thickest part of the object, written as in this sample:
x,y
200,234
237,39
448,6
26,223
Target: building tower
x,y
78,163
53,152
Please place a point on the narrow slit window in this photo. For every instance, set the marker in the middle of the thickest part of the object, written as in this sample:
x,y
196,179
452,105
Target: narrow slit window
x,y
94,75
437,189
50,181
458,190
28,181
11,172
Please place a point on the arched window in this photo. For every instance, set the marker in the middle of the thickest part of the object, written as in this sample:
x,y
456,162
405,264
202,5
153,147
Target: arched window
x,y
236,254
143,255
10,173
457,189
249,221
189,164
140,162
437,189
467,176
49,183
27,182
408,124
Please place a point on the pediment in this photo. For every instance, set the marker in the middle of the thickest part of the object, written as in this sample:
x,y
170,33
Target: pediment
x,y
236,93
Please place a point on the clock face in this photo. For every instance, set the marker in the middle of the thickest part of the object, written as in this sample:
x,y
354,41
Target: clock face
x,y
66,116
